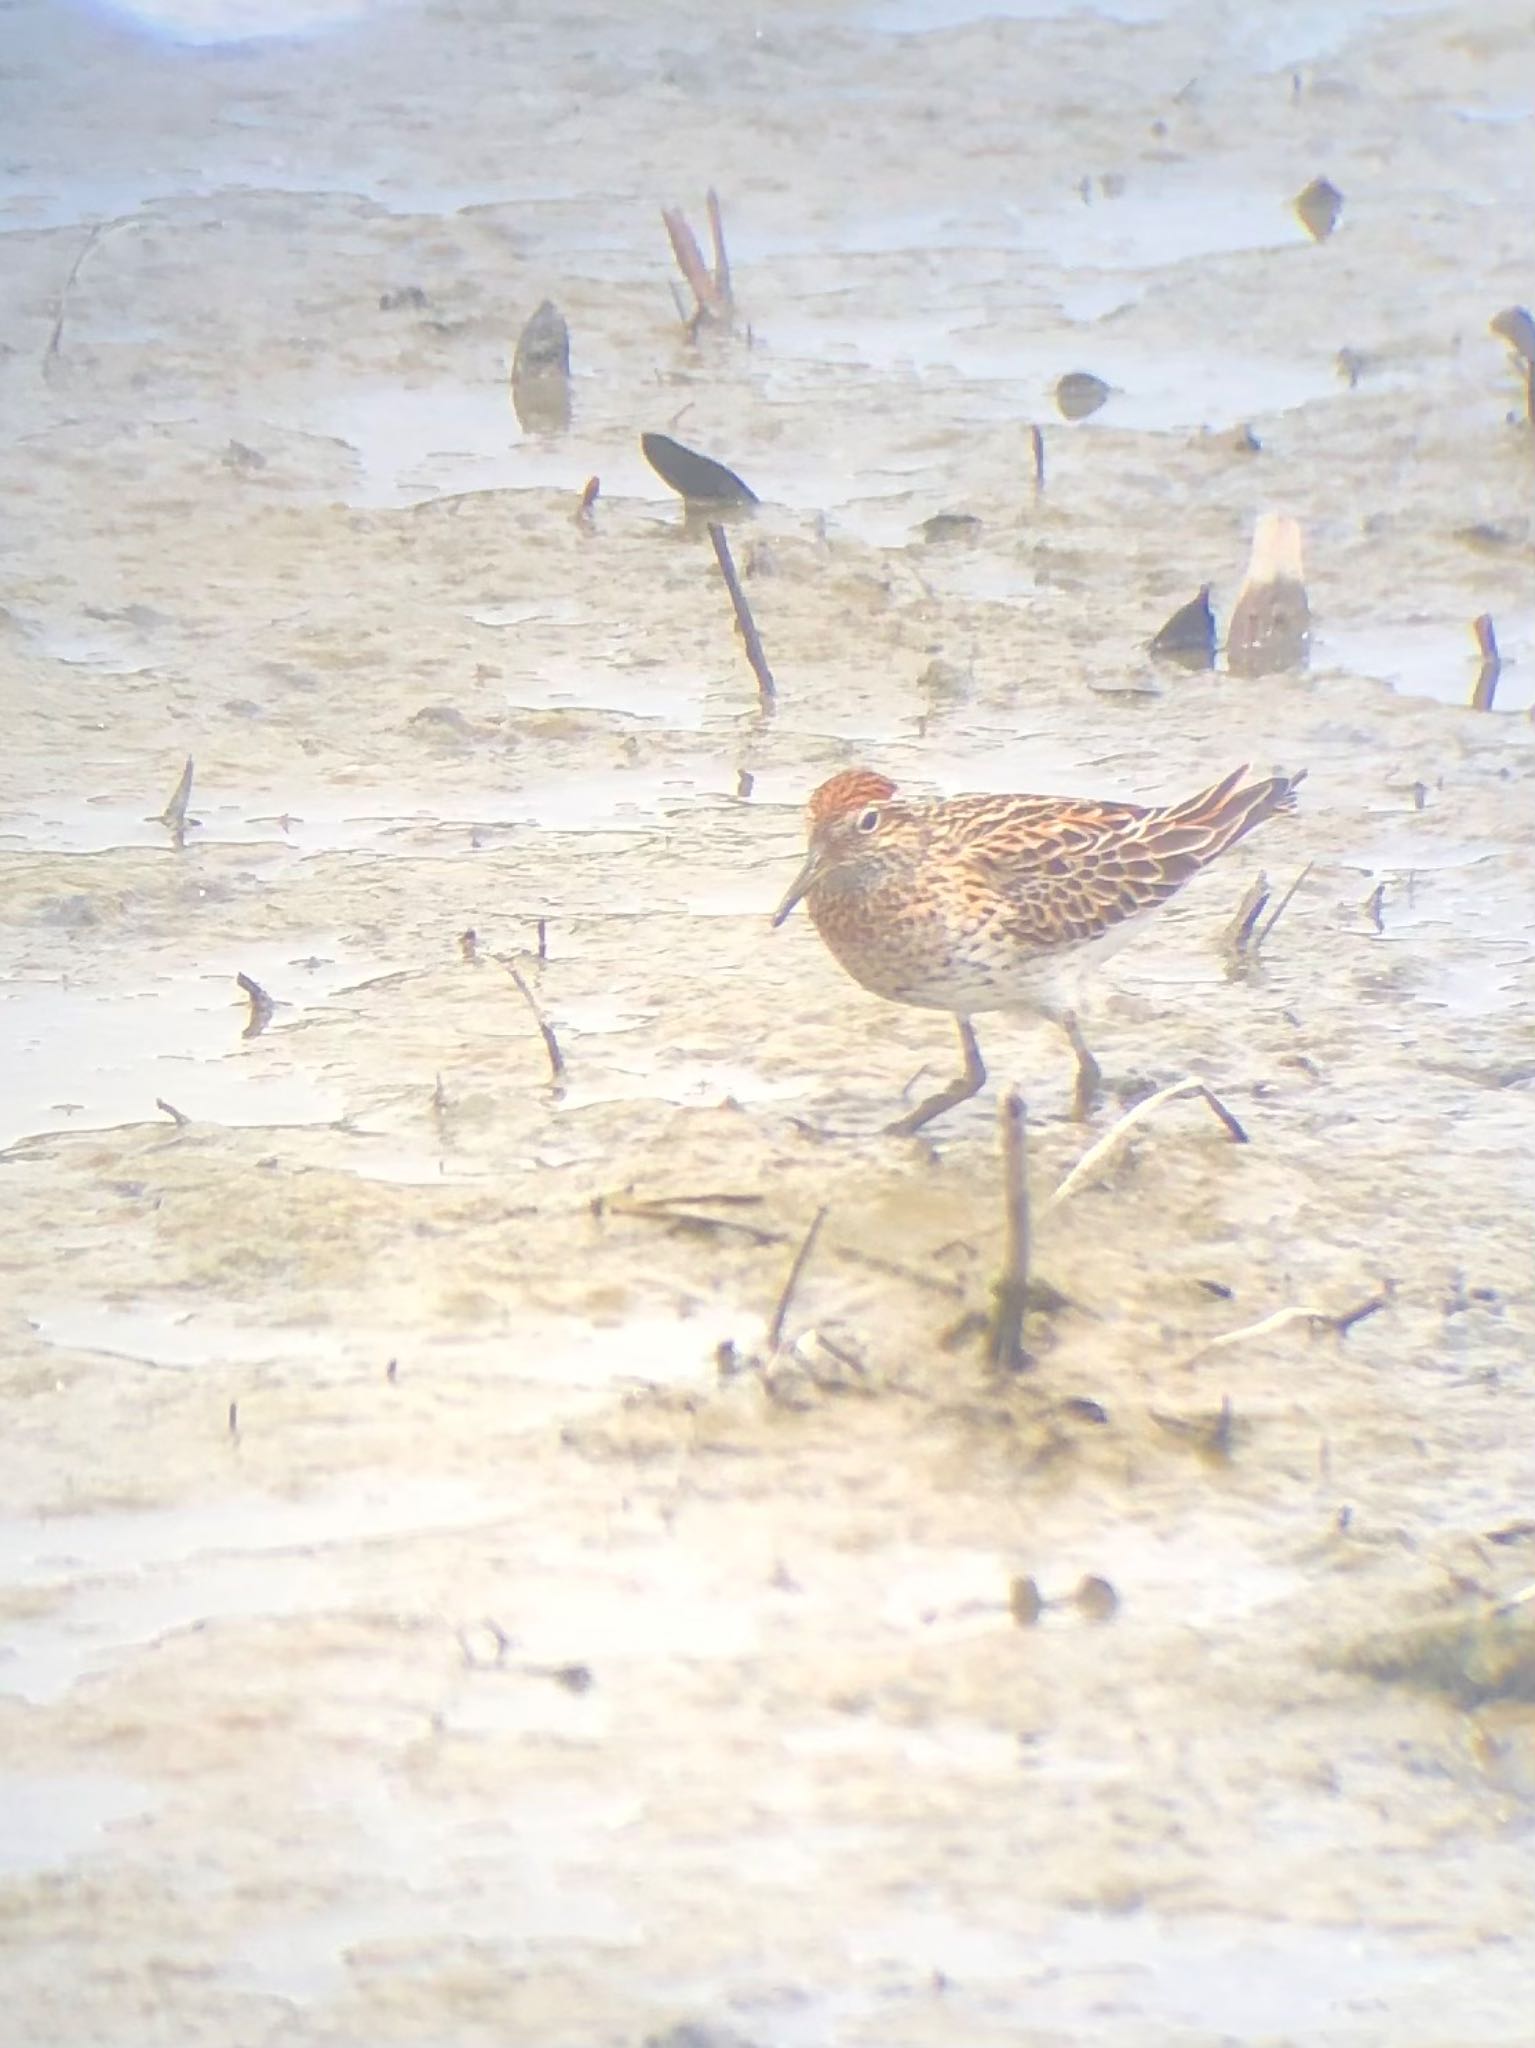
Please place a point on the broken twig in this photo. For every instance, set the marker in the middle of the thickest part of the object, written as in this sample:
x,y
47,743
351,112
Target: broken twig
x,y
746,625
713,304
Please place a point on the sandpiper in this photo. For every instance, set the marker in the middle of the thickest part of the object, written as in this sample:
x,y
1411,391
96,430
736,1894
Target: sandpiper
x,y
977,903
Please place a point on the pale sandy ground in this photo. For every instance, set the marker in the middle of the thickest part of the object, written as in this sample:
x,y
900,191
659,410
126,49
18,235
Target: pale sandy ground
x,y
411,1632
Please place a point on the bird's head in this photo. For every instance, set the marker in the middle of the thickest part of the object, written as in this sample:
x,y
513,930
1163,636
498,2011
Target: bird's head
x,y
849,817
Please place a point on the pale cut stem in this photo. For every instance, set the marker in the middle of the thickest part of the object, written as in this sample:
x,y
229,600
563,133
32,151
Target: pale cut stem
x,y
1110,1142
1281,1319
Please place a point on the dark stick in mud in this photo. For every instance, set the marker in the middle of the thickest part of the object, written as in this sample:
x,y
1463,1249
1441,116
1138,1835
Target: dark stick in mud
x,y
721,260
746,625
685,1215
1222,1115
1282,906
262,1006
1492,664
1006,1344
1239,933
97,234
545,1028
1363,1310
801,1260
1037,440
174,816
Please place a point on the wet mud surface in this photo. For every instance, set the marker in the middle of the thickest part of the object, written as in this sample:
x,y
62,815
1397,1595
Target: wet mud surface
x,y
431,1608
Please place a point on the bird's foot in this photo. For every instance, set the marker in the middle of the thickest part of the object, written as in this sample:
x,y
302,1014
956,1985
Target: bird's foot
x,y
1089,1073
969,1083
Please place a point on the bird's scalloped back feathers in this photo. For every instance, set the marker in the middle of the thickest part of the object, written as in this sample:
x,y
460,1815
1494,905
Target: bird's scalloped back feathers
x,y
1068,870
848,792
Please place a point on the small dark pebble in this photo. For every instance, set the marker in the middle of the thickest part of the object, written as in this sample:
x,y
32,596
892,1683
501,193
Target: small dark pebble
x,y
1096,1599
1492,537
698,2034
1080,1409
1079,393
963,526
1025,1602
543,347
541,373
443,717
69,913
1319,207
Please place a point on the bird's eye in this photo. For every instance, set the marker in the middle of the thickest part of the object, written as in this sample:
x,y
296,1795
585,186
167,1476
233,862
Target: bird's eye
x,y
869,820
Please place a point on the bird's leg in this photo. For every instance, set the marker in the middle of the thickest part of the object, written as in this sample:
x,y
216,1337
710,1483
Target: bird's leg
x,y
1089,1073
969,1083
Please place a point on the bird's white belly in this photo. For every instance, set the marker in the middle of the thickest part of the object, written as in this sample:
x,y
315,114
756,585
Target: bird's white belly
x,y
981,977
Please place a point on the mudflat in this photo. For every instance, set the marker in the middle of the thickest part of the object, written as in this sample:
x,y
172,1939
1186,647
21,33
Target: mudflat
x,y
450,1591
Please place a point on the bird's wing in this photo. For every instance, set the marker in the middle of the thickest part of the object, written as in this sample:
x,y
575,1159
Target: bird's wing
x,y
1057,871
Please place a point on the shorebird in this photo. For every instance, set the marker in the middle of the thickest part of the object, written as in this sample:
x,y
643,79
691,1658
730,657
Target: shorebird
x,y
978,903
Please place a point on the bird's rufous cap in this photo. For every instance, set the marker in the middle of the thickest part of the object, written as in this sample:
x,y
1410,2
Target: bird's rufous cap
x,y
848,792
